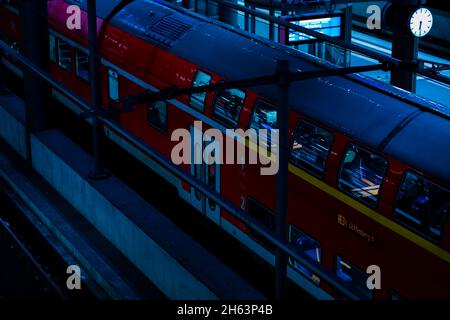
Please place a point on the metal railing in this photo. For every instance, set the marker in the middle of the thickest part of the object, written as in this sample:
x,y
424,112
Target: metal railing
x,y
271,19
282,78
380,57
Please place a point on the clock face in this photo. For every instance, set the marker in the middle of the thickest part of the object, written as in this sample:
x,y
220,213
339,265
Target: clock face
x,y
421,22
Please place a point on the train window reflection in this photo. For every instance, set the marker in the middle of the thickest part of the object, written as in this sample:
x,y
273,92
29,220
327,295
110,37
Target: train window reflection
x,y
311,147
351,274
157,115
264,216
113,84
264,117
362,173
82,64
53,49
197,100
228,105
64,55
308,246
422,205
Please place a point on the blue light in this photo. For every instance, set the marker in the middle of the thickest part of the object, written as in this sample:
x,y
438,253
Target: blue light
x,y
330,26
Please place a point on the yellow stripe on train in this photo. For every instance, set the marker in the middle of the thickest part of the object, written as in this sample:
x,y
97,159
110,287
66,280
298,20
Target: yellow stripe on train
x,y
418,240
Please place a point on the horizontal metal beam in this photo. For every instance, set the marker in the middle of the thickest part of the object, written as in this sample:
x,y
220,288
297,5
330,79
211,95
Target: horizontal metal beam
x,y
348,290
380,57
433,69
172,92
336,41
50,79
298,5
432,74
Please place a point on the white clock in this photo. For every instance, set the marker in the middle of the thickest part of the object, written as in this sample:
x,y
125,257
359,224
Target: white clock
x,y
421,22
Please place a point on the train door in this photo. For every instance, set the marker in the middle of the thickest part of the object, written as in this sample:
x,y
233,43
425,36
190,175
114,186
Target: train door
x,y
207,173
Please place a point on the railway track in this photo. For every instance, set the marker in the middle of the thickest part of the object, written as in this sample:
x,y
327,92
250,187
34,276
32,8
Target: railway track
x,y
37,271
30,268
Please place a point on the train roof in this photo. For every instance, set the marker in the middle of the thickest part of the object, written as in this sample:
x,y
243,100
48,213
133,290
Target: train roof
x,y
400,124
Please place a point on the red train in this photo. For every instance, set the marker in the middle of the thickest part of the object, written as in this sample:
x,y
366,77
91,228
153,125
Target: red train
x,y
369,171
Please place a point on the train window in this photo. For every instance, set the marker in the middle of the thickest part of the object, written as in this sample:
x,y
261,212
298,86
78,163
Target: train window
x,y
53,49
351,274
311,147
157,115
228,105
265,217
82,64
113,82
264,117
64,55
362,173
308,246
197,100
422,205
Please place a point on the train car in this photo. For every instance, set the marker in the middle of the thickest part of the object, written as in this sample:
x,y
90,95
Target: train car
x,y
369,164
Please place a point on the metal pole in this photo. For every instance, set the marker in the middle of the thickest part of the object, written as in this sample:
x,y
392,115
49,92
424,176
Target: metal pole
x,y
246,17
96,96
405,46
189,4
33,45
271,24
172,93
339,42
3,89
253,21
347,35
226,14
321,271
282,177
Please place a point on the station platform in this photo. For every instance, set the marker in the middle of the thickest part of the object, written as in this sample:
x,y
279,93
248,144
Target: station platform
x,y
425,87
436,42
125,246
76,241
